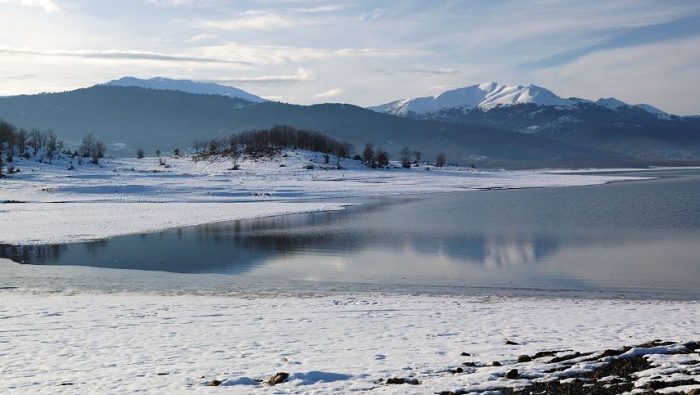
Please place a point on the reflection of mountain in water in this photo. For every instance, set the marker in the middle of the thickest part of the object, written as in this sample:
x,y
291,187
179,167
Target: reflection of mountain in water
x,y
238,246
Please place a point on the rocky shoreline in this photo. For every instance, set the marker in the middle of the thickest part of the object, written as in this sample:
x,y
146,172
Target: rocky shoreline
x,y
654,367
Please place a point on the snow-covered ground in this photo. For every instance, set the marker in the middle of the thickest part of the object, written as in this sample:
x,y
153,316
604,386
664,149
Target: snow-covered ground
x,y
119,343
51,204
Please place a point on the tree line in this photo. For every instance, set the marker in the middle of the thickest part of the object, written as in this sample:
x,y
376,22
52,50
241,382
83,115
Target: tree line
x,y
18,142
268,142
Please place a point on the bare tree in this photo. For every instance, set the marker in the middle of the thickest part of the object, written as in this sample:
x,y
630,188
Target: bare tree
x,y
140,154
382,158
405,157
368,155
418,155
441,159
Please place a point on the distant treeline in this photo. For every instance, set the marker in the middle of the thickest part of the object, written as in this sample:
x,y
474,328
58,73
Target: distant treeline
x,y
267,142
42,145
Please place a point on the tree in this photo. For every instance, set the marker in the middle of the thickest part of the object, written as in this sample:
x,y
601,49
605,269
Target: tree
x,y
140,154
36,140
368,155
176,152
441,159
418,155
158,153
382,158
53,145
405,157
92,148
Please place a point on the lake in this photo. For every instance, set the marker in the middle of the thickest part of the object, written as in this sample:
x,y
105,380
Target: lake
x,y
634,238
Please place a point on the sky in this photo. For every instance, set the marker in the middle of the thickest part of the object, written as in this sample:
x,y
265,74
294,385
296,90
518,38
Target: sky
x,y
360,52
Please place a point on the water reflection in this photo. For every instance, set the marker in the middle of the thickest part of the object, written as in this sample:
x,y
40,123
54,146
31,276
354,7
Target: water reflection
x,y
641,235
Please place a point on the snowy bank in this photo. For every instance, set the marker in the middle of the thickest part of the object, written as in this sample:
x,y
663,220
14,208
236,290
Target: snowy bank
x,y
117,343
47,203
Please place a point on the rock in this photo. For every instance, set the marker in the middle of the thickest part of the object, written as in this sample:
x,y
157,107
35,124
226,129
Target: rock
x,y
511,343
214,383
524,358
278,378
400,380
695,391
692,346
465,354
469,364
495,363
512,374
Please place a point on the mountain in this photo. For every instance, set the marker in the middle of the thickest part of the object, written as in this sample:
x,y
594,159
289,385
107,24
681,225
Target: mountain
x,y
490,95
615,104
484,96
638,131
187,86
128,118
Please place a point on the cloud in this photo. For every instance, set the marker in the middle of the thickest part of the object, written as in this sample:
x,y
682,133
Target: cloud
x,y
254,20
329,93
118,55
271,54
421,70
201,37
301,75
662,74
323,8
46,5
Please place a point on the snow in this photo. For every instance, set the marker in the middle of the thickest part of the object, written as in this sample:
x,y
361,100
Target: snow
x,y
187,86
615,104
128,342
484,96
50,204
489,95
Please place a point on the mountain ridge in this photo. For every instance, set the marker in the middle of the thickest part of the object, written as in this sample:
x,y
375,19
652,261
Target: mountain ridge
x,y
187,86
489,95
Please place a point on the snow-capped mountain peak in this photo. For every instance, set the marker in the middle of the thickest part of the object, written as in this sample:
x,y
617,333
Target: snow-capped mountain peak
x,y
203,88
486,95
615,104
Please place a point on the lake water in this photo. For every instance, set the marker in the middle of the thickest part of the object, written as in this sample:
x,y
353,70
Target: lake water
x,y
639,237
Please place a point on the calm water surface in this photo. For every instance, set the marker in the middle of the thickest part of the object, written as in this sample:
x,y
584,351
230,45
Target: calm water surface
x,y
637,237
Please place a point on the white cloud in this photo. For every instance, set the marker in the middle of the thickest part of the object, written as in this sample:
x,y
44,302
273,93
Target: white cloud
x,y
662,74
253,20
272,54
201,37
119,55
322,8
301,75
46,5
329,93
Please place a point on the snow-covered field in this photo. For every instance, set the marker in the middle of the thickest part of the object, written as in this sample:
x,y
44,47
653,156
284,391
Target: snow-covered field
x,y
89,340
51,204
118,343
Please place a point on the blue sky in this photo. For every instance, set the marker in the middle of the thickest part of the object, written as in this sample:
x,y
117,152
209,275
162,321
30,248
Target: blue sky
x,y
362,52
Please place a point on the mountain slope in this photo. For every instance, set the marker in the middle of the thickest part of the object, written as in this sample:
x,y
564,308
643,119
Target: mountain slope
x,y
186,86
159,119
626,130
490,95
485,96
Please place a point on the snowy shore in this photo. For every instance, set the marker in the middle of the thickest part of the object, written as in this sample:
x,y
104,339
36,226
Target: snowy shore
x,y
47,203
118,343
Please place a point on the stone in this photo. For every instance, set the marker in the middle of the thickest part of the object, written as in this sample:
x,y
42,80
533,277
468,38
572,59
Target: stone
x,y
214,383
278,378
512,374
524,358
496,363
